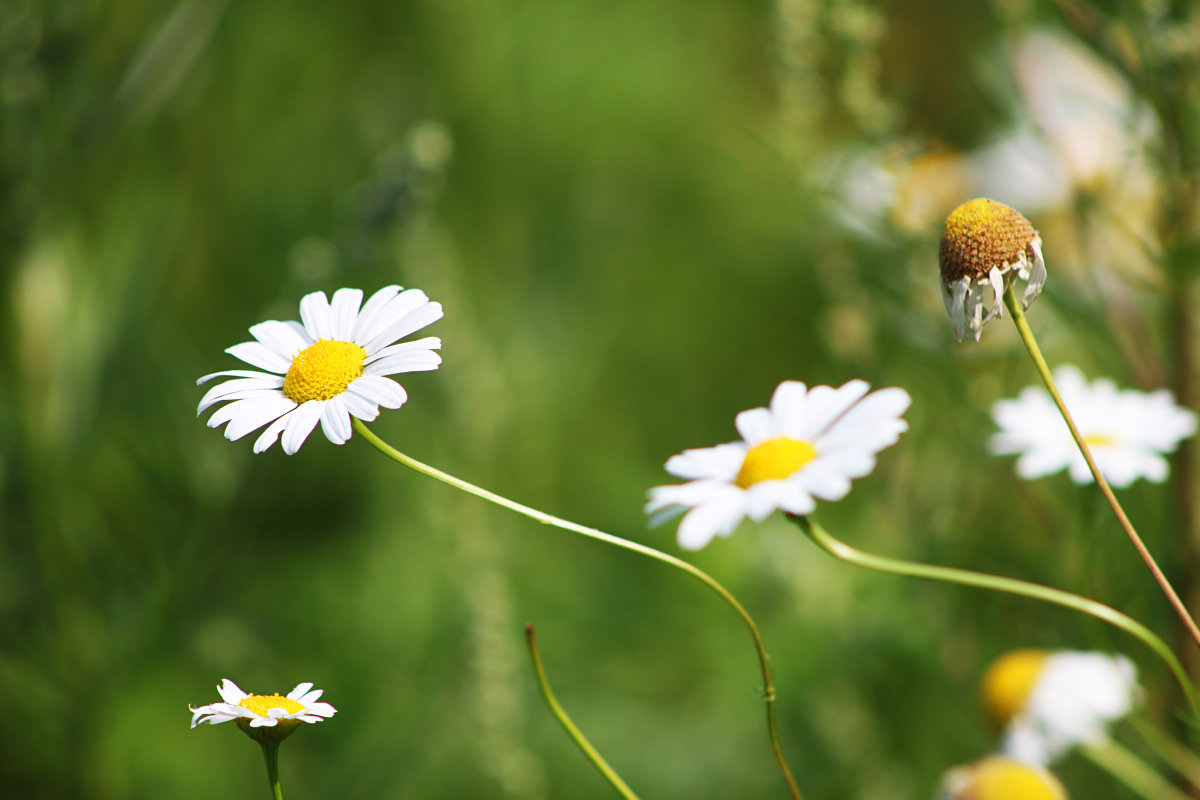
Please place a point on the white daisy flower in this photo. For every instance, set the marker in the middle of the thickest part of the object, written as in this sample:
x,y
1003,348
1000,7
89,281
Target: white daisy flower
x,y
331,367
808,444
1048,703
1126,430
1000,778
985,246
263,710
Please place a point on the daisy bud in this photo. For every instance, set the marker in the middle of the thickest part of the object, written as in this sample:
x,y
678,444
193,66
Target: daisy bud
x,y
986,245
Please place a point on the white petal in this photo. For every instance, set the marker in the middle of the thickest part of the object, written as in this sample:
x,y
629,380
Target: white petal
x,y
721,462
428,343
345,307
789,407
335,421
300,424
233,373
391,312
280,337
754,425
320,710
381,391
410,323
359,406
416,361
368,317
239,389
255,413
826,405
259,355
317,315
230,692
270,434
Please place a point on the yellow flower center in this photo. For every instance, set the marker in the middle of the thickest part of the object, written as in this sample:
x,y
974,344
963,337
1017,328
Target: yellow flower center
x,y
980,235
999,778
323,370
774,460
1098,440
261,704
1009,681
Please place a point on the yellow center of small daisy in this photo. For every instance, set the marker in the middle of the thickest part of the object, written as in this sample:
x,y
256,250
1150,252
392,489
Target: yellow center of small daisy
x,y
1098,440
261,704
999,778
1009,681
323,370
981,235
774,460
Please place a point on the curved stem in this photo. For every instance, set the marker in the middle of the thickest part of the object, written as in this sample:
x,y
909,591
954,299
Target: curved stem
x,y
844,552
576,735
592,533
1129,769
1035,352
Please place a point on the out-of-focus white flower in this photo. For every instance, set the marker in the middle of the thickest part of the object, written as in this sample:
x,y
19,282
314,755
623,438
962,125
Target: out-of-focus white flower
x,y
328,369
985,246
1000,778
263,710
808,444
1048,702
1126,430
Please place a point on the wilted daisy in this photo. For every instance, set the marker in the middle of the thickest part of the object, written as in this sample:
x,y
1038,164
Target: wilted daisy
x,y
1127,431
1048,702
808,444
326,369
985,246
1000,778
264,710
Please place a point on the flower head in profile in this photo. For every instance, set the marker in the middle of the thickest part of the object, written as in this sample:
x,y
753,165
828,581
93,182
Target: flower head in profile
x,y
809,444
1000,778
328,368
1127,431
262,716
1048,702
985,246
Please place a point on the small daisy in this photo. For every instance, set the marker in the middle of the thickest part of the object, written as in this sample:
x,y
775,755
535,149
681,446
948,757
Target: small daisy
x,y
985,246
264,710
1047,702
329,368
1126,430
808,444
1000,778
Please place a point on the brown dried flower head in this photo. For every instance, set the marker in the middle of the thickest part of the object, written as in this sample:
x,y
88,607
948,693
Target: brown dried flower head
x,y
985,246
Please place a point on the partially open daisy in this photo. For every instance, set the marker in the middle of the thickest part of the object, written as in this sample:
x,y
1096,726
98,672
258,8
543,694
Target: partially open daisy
x,y
1126,430
264,710
1000,778
808,444
1048,702
326,369
985,246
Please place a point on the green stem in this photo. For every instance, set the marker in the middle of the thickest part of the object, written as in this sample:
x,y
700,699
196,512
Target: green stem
x,y
576,735
844,552
271,755
1026,333
1181,759
1132,771
593,533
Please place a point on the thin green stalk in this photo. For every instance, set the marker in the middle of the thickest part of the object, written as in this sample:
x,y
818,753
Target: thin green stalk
x,y
576,735
1181,759
1035,352
270,752
592,533
851,555
1129,769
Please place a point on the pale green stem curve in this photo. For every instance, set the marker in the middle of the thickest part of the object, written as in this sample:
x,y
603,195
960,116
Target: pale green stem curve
x,y
1181,759
1026,333
851,555
270,752
592,533
1132,771
564,719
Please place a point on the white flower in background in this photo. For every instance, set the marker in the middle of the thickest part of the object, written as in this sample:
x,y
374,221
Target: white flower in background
x,y
808,444
1126,430
1048,702
985,247
331,367
263,710
1000,778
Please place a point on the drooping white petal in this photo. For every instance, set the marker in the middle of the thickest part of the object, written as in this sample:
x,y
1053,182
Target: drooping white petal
x,y
335,420
300,424
381,391
259,355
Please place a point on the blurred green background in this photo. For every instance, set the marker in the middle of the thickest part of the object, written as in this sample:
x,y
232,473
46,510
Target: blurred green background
x,y
640,217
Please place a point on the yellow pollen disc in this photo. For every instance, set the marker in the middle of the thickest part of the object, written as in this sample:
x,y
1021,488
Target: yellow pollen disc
x,y
1098,441
999,778
323,371
262,703
1009,681
774,460
980,235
